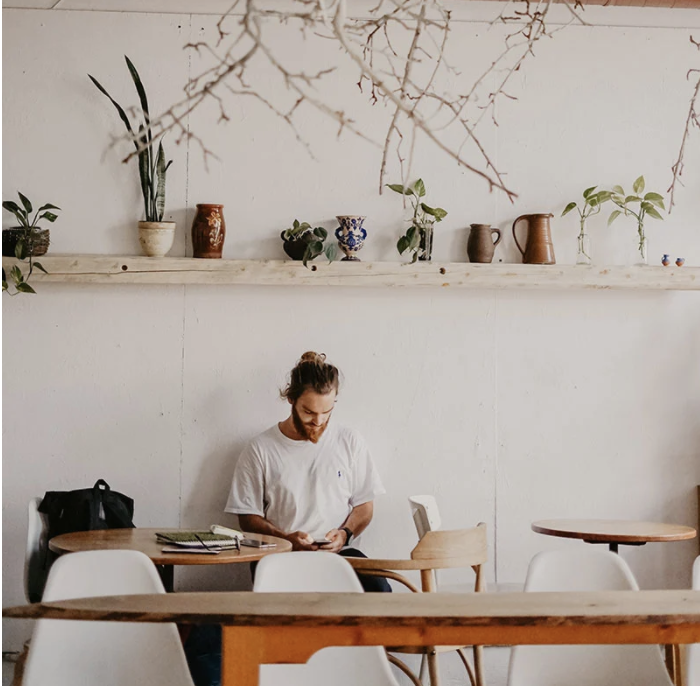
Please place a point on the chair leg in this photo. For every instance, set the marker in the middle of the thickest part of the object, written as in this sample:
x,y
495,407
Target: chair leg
x,y
467,666
479,665
399,664
423,664
433,668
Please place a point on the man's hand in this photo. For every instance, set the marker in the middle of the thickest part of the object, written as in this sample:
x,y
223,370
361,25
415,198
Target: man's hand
x,y
300,540
337,539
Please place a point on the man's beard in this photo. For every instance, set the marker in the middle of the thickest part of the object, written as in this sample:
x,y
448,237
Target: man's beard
x,y
308,432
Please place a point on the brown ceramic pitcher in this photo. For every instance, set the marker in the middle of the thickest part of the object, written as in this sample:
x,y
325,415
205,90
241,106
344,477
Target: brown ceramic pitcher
x,y
481,246
538,244
208,231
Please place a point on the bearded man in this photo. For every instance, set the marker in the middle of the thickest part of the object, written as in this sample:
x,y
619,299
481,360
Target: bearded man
x,y
306,479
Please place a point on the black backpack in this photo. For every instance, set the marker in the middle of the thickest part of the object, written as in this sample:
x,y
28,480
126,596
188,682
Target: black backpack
x,y
87,509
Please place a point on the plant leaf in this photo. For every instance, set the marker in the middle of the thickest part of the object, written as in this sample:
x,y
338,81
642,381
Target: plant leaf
x,y
160,192
632,198
439,213
142,95
588,191
414,241
21,249
48,206
603,196
331,251
613,216
568,208
12,206
321,233
419,188
619,190
638,185
16,274
402,245
118,107
145,177
49,216
411,233
25,202
653,212
40,267
25,288
398,188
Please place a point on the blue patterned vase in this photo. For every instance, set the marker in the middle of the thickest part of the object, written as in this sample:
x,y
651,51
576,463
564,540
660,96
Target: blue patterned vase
x,y
351,236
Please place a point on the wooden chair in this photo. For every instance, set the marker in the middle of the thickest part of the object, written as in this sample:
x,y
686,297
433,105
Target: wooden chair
x,y
436,550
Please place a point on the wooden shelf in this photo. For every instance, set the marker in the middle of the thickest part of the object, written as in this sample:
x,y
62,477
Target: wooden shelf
x,y
113,269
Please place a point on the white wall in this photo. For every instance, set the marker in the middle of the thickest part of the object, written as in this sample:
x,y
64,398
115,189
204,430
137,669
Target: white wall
x,y
508,406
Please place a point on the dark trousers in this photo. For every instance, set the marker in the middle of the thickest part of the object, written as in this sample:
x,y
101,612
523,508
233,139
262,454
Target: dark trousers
x,y
203,645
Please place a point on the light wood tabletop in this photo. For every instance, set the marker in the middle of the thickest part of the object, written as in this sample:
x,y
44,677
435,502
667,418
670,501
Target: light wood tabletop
x,y
261,628
614,532
144,540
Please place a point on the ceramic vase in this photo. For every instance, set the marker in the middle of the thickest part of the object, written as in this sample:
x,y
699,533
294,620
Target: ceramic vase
x,y
156,238
208,232
351,236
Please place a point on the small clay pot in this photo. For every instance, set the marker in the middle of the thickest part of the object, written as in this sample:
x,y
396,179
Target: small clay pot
x,y
480,245
156,238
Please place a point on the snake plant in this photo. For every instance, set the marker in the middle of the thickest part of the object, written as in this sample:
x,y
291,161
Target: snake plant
x,y
152,165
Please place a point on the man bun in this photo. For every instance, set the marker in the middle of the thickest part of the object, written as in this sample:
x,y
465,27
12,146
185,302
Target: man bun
x,y
311,356
312,373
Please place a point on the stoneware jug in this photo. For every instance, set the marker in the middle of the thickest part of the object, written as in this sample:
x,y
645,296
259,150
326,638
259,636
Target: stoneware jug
x,y
208,231
538,243
481,246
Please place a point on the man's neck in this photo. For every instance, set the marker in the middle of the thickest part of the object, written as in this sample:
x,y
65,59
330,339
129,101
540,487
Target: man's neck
x,y
289,430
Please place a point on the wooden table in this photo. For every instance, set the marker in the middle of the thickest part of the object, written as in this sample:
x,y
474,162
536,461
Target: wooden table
x,y
144,540
261,628
613,532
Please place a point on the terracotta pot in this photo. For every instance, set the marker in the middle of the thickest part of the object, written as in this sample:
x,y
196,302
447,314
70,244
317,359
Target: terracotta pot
x,y
156,238
208,231
39,241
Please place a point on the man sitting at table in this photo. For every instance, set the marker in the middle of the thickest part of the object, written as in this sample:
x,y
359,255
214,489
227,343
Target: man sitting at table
x,y
306,479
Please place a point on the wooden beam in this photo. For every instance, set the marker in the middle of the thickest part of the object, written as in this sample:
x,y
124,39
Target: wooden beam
x,y
114,269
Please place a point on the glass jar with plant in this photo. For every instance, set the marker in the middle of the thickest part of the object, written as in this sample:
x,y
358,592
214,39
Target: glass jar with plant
x,y
26,241
648,205
418,239
301,242
591,206
155,235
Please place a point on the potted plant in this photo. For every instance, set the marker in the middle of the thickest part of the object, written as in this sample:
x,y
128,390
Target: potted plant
x,y
26,241
418,239
647,205
591,206
155,235
301,242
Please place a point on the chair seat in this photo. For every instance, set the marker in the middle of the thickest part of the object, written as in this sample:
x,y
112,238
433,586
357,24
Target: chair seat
x,y
420,650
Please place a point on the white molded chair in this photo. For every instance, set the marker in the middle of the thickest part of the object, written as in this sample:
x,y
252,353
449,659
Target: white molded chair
x,y
301,572
693,665
82,653
424,511
584,665
35,562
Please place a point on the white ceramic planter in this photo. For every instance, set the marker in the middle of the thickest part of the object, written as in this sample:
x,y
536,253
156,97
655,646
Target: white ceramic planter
x,y
156,238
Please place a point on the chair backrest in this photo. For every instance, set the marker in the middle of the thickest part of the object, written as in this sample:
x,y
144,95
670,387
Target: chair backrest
x,y
36,554
326,573
585,665
693,665
66,652
425,513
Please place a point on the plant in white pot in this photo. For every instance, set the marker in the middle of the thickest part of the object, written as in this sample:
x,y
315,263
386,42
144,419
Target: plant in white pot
x,y
155,235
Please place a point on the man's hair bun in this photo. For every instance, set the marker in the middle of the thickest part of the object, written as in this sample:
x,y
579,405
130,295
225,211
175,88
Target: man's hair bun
x,y
311,356
312,373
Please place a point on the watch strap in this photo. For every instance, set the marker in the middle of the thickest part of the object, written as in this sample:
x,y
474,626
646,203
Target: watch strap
x,y
348,533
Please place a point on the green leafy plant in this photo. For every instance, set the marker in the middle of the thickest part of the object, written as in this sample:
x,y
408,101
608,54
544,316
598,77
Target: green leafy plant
x,y
419,236
591,206
647,206
313,238
152,164
24,248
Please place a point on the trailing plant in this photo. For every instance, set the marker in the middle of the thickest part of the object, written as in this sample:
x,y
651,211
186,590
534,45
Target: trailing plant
x,y
647,206
591,206
152,164
24,248
313,238
418,238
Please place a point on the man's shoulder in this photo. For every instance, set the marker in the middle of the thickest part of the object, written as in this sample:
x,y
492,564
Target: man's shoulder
x,y
348,436
263,441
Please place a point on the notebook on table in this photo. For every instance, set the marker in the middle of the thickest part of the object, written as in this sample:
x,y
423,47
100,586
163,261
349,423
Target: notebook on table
x,y
196,540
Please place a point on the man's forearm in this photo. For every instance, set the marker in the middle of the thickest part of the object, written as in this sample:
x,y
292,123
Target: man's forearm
x,y
259,525
359,518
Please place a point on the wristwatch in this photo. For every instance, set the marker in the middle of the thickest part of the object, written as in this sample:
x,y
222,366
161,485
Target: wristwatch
x,y
348,533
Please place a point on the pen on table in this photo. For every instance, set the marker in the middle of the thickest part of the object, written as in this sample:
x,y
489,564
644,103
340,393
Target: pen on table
x,y
204,545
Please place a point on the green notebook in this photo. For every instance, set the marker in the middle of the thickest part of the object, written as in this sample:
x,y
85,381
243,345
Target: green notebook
x,y
189,538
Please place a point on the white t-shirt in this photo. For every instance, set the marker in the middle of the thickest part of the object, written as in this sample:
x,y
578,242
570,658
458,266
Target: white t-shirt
x,y
304,486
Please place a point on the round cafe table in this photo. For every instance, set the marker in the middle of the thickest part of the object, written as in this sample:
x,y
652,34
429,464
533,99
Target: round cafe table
x,y
144,540
613,532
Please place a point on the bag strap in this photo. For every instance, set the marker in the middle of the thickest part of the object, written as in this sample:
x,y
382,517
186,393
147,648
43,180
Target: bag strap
x,y
96,502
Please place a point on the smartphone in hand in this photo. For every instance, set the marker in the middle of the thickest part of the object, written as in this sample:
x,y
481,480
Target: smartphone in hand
x,y
322,541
